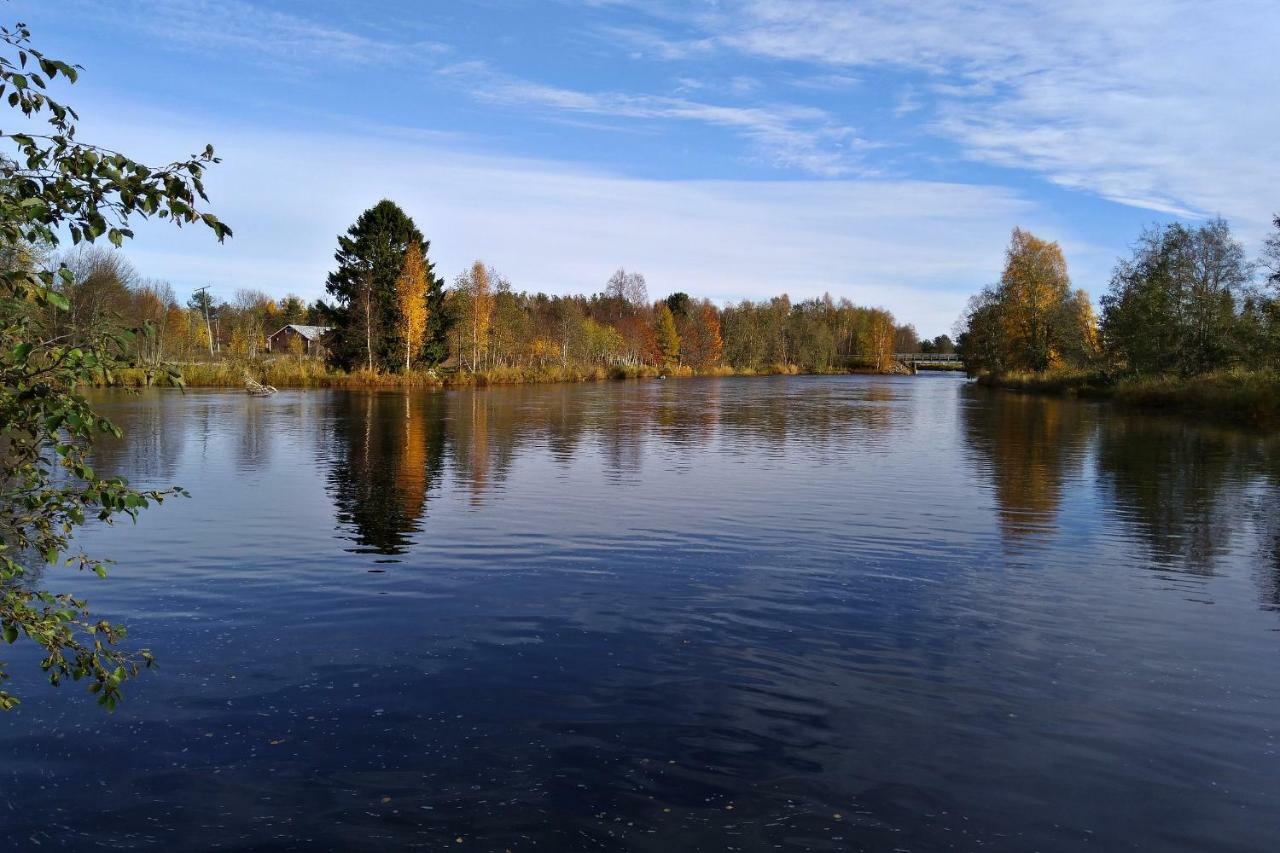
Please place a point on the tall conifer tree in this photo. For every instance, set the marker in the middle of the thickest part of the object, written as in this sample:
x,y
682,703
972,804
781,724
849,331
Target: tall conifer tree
x,y
370,258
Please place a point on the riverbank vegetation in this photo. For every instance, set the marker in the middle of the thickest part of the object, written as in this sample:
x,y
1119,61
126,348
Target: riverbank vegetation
x,y
389,319
1188,323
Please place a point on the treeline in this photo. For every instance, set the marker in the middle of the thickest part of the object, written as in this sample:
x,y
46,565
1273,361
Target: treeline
x,y
390,312
105,294
1188,302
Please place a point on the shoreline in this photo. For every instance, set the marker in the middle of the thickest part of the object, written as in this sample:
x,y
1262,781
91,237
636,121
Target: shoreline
x,y
1249,398
311,375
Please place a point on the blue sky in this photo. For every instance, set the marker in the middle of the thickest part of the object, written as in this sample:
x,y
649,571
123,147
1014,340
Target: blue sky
x,y
877,150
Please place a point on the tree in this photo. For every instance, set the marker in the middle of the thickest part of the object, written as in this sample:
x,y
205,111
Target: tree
x,y
1271,255
1034,289
703,344
629,290
473,309
411,294
664,329
204,304
1032,320
680,304
980,339
366,313
292,310
1170,308
56,186
906,339
149,320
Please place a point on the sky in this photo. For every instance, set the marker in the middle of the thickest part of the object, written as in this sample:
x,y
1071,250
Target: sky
x,y
874,149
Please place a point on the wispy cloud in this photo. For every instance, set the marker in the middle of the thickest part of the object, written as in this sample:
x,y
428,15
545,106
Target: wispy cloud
x,y
916,247
1164,105
790,136
266,35
651,44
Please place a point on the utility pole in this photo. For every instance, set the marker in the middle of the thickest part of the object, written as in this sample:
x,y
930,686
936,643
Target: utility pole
x,y
204,303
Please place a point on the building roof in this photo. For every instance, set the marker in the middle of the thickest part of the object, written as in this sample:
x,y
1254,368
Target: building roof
x,y
311,333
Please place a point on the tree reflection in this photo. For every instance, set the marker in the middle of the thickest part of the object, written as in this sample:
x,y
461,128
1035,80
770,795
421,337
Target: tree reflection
x,y
1029,446
389,451
151,448
1166,480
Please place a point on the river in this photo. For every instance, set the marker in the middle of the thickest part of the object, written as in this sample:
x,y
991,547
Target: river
x,y
795,613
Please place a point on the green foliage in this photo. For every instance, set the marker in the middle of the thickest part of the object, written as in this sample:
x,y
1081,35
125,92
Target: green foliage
x,y
1171,308
679,303
56,186
365,313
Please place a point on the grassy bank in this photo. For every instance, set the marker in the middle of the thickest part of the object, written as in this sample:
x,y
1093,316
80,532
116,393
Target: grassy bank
x,y
290,373
1241,396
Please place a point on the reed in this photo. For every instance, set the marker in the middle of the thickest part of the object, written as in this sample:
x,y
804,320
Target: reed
x,y
288,372
1237,395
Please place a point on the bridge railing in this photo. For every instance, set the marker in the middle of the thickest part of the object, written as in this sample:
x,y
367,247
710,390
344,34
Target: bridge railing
x,y
930,357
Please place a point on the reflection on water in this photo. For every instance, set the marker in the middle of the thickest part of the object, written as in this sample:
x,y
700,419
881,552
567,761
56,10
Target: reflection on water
x,y
1032,448
389,448
776,613
388,451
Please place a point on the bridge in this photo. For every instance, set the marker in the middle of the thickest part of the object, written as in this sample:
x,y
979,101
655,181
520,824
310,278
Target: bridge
x,y
930,360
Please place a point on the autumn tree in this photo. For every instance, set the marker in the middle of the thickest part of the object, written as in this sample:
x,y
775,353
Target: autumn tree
x,y
1035,293
879,334
411,296
703,343
1032,320
473,291
664,330
148,317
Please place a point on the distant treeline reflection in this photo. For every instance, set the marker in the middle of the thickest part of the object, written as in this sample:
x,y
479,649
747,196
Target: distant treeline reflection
x,y
391,448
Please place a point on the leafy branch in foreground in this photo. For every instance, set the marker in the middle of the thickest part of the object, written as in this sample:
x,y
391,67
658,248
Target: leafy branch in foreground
x,y
55,186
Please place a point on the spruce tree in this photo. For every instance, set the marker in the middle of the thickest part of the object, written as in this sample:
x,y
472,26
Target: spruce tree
x,y
366,314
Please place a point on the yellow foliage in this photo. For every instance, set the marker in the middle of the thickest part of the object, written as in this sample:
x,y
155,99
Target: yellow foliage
x,y
411,297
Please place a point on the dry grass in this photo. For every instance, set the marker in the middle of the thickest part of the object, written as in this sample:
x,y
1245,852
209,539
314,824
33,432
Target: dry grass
x,y
310,373
1241,396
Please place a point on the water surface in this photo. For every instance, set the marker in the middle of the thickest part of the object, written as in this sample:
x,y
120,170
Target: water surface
x,y
740,614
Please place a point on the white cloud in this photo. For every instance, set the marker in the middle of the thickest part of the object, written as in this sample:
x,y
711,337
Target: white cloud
x,y
918,248
650,44
788,136
273,37
1164,105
